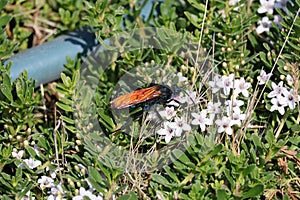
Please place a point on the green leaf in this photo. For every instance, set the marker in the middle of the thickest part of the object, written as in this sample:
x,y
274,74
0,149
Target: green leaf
x,y
2,4
6,183
254,192
6,87
270,137
66,101
65,107
18,174
67,119
263,57
6,176
266,46
94,173
95,136
193,19
31,151
295,128
188,179
229,178
252,40
25,190
171,174
71,128
252,153
66,80
178,165
5,19
197,5
130,196
216,150
95,185
106,172
43,143
221,194
249,169
161,180
20,90
256,140
105,119
180,155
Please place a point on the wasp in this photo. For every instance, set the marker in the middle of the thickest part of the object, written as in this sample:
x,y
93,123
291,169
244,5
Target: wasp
x,y
155,94
141,100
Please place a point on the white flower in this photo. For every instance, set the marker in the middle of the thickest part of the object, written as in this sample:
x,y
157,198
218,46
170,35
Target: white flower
x,y
233,105
213,109
289,79
291,98
264,25
277,20
91,188
27,196
266,6
241,86
181,125
45,182
32,163
263,77
36,149
54,171
226,83
191,98
53,197
81,166
222,12
181,98
281,4
152,115
169,112
56,192
233,2
278,104
201,119
18,155
215,84
278,90
86,193
237,117
177,100
168,131
224,125
181,77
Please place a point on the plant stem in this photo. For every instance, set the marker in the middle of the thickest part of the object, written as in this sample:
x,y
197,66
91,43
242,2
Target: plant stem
x,y
283,120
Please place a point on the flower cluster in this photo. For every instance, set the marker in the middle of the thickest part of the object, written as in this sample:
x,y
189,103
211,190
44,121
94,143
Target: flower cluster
x,y
83,194
228,114
268,6
47,183
225,115
175,125
56,191
232,94
280,96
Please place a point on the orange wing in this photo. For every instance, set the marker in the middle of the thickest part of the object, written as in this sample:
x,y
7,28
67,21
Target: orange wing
x,y
136,97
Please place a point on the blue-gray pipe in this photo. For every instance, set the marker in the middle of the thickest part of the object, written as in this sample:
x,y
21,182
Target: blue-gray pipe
x,y
45,62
